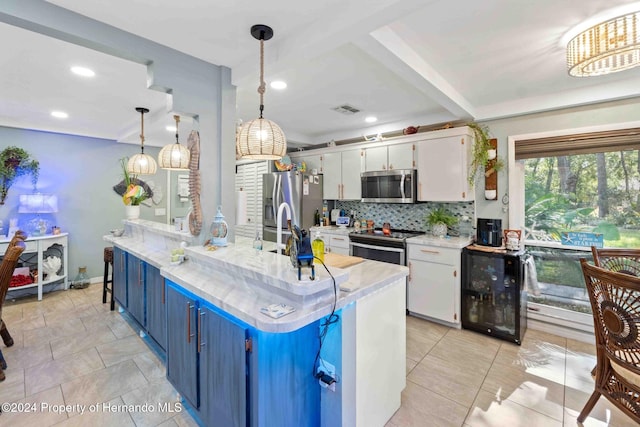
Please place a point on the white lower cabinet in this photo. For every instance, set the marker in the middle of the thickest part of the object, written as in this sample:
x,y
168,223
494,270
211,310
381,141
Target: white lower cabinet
x,y
433,285
335,240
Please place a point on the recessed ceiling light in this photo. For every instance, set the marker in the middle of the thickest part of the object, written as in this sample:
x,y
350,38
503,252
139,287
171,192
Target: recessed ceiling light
x,y
170,128
59,114
278,85
370,119
83,71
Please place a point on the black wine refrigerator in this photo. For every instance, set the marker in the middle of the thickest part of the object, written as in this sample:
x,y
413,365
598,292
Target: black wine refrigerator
x,y
494,301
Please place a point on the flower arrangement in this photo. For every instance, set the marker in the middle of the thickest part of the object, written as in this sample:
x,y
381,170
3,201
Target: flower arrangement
x,y
15,162
134,193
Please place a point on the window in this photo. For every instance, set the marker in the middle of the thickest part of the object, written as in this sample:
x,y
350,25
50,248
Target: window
x,y
587,182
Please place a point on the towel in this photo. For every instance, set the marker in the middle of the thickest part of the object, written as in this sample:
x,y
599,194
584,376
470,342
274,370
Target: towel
x,y
531,276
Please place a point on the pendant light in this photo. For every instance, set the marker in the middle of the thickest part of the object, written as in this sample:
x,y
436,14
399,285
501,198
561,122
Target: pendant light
x,y
142,164
261,139
174,156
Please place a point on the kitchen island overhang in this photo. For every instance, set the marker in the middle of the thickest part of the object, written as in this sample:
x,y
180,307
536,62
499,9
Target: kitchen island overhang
x,y
366,347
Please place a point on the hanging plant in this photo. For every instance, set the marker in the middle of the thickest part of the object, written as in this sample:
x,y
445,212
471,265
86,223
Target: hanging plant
x,y
15,162
479,151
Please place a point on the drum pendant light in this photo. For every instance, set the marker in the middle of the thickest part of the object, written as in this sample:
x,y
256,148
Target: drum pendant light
x,y
142,164
261,139
174,156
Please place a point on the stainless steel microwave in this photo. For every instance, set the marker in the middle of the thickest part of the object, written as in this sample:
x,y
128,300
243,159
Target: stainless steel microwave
x,y
389,186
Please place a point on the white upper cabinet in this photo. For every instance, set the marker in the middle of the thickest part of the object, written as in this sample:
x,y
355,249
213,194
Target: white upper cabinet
x,y
443,169
398,156
342,175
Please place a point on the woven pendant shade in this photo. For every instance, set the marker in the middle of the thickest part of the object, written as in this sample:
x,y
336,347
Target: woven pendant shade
x,y
142,164
174,156
261,139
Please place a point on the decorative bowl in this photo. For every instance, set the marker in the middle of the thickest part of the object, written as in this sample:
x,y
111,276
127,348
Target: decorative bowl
x,y
117,232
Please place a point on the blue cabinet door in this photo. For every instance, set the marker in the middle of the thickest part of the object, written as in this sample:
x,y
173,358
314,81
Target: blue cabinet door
x,y
119,276
156,306
182,356
135,288
223,369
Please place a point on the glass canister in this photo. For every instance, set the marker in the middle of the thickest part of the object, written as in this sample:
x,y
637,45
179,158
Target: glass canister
x,y
81,280
219,229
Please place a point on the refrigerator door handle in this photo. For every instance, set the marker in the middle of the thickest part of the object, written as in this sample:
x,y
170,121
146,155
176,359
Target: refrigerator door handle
x,y
273,197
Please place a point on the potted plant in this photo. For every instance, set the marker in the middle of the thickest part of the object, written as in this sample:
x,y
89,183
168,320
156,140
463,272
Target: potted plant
x,y
440,220
482,152
134,192
15,162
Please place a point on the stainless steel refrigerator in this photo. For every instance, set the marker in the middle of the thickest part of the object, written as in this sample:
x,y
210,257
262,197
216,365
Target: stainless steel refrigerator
x,y
302,191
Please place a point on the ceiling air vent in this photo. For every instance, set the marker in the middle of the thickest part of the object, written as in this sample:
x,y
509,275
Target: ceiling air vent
x,y
346,109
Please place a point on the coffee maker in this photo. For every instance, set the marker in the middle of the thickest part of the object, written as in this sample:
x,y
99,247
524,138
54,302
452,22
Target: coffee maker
x,y
489,232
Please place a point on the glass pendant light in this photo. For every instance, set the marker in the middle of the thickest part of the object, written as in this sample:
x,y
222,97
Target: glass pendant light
x,y
174,156
261,139
142,164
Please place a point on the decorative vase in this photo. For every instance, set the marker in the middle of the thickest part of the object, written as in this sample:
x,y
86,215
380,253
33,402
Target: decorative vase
x,y
219,229
132,212
439,229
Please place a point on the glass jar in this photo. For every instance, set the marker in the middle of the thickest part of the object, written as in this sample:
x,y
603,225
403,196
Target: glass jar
x,y
81,280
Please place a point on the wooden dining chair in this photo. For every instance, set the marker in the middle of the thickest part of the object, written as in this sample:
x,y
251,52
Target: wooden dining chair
x,y
615,302
6,272
617,259
17,239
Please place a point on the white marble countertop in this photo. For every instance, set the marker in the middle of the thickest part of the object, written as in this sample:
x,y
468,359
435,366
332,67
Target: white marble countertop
x,y
444,242
331,229
238,295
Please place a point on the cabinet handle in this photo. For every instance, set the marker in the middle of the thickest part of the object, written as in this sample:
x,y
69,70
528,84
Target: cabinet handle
x,y
390,167
121,262
140,273
384,167
200,344
419,189
163,292
409,278
342,191
427,251
189,334
338,238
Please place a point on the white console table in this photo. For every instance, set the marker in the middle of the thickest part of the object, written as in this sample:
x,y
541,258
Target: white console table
x,y
38,245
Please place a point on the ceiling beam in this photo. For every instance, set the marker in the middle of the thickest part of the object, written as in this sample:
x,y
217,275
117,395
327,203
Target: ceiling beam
x,y
328,32
410,66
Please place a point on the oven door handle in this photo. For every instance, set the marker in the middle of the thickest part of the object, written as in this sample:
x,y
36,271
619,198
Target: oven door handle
x,y
378,248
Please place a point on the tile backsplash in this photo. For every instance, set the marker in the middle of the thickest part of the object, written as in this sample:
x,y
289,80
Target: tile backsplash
x,y
411,216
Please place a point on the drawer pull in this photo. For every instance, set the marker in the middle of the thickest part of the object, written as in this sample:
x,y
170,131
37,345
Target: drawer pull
x,y
427,251
189,334
339,238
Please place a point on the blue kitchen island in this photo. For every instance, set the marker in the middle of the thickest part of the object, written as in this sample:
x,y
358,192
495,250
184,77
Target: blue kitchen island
x,y
236,366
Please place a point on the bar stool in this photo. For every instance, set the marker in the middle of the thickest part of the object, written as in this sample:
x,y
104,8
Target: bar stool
x,y
108,260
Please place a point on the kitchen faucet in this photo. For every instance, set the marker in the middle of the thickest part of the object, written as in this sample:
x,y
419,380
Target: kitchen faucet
x,y
283,206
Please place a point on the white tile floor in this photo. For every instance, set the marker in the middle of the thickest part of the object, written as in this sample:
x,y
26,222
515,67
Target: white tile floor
x,y
71,350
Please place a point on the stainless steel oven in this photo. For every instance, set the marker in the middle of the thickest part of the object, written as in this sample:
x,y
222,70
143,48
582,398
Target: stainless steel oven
x,y
377,246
